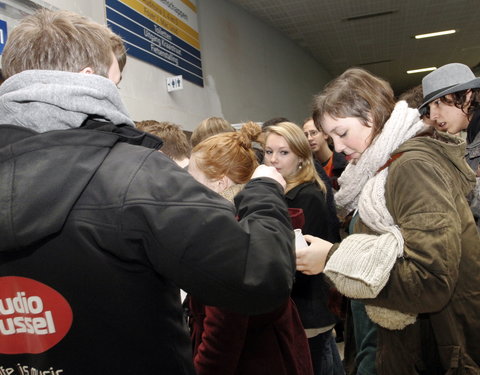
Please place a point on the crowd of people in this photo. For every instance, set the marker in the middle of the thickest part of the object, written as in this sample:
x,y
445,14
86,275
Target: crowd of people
x,y
105,220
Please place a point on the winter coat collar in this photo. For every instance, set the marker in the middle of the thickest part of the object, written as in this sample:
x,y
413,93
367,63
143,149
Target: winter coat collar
x,y
450,149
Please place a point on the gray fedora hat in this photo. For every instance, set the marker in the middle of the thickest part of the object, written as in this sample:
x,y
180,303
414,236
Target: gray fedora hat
x,y
446,80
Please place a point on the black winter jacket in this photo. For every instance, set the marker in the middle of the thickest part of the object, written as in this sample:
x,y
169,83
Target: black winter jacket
x,y
97,237
310,292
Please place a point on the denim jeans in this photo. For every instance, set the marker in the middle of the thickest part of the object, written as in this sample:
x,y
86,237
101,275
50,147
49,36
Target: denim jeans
x,y
325,357
365,332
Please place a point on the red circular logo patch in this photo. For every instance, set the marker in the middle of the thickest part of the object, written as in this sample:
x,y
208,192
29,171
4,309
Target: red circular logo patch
x,y
33,316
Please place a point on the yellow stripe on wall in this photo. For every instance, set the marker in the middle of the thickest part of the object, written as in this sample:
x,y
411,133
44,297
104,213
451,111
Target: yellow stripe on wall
x,y
190,5
164,22
172,18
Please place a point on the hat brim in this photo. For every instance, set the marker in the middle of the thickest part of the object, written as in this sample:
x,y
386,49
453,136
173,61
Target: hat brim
x,y
473,84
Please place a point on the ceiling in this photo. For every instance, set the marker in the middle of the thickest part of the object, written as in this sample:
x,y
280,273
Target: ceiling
x,y
377,34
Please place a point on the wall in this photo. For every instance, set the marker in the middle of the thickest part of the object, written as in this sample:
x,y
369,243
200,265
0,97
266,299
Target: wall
x,y
251,72
258,73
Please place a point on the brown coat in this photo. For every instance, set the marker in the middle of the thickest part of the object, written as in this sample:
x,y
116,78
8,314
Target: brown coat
x,y
438,278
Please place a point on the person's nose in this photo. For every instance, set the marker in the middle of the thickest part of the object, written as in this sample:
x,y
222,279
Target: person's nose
x,y
273,158
433,114
338,145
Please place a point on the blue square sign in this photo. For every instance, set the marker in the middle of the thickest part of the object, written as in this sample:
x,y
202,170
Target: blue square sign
x,y
3,35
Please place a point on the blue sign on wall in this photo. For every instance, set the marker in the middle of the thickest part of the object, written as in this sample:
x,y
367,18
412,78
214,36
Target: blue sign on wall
x,y
3,35
163,33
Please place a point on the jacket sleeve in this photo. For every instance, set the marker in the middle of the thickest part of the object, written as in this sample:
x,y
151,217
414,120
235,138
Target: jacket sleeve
x,y
192,237
222,342
423,202
316,213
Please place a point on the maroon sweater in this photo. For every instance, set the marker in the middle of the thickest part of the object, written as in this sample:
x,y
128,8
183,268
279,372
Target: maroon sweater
x,y
230,343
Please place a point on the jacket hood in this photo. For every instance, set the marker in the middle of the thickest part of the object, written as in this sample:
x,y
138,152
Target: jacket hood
x,y
46,100
451,150
42,177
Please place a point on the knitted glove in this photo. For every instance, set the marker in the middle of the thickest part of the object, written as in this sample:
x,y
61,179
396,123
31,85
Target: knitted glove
x,y
361,265
360,268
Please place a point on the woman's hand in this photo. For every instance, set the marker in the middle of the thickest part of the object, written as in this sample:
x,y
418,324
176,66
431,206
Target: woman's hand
x,y
311,260
265,171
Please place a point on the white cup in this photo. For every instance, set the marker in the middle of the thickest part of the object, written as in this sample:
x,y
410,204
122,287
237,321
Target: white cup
x,y
300,242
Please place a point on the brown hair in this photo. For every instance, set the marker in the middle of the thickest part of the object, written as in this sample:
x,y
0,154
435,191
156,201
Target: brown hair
x,y
274,121
298,143
59,40
413,96
208,127
119,50
307,120
356,93
229,154
175,142
459,100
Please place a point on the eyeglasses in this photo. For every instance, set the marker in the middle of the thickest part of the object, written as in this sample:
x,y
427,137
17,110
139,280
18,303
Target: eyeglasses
x,y
311,133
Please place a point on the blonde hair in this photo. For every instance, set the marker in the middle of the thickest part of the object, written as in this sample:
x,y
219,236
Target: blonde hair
x,y
298,144
60,40
229,154
208,127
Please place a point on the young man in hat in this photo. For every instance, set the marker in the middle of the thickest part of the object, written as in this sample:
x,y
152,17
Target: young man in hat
x,y
451,97
99,231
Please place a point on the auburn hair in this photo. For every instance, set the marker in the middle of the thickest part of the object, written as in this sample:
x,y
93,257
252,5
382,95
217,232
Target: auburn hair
x,y
229,154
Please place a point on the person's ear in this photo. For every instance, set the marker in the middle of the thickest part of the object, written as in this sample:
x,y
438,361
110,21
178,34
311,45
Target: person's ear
x,y
468,98
87,70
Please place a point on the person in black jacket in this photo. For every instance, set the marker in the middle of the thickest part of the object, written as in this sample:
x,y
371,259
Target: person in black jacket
x,y
287,149
99,230
230,343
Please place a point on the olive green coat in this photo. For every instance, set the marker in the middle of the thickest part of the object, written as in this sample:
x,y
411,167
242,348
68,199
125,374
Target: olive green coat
x,y
438,278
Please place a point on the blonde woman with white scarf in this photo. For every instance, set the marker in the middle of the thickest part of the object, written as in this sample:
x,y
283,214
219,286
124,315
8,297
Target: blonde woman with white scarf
x,y
412,266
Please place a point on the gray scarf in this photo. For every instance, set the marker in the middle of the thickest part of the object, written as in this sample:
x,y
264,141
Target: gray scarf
x,y
45,100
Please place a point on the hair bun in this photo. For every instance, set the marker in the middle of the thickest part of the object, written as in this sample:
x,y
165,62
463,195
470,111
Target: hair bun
x,y
249,133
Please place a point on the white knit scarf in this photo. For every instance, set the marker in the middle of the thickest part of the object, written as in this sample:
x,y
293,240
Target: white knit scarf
x,y
361,266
